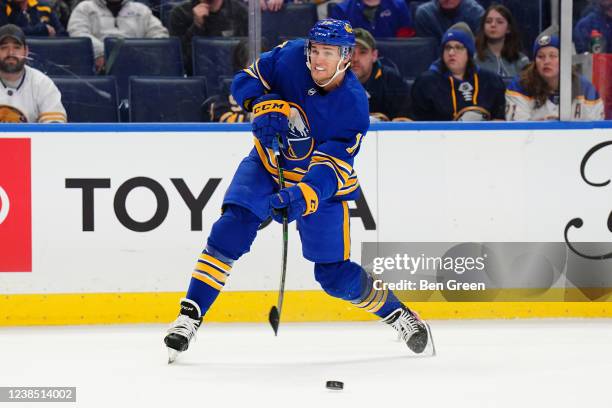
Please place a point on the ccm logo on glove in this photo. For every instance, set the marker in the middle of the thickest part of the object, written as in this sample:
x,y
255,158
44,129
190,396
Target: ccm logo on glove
x,y
269,106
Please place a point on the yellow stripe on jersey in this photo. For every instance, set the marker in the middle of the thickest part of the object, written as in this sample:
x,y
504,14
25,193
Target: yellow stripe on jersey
x,y
346,231
268,160
261,78
214,261
249,71
358,138
518,94
310,197
52,117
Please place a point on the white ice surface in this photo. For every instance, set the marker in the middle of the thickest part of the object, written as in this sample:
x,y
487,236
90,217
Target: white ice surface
x,y
511,363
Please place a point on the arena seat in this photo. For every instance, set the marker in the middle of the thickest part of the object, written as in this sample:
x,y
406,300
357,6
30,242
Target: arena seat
x,y
212,58
293,20
410,56
166,99
151,57
61,56
89,98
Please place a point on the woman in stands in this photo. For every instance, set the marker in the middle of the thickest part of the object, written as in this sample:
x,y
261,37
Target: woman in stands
x,y
454,88
498,44
534,94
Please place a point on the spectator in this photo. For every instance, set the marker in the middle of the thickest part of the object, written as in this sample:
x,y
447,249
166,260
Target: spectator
x,y
534,94
27,94
34,18
207,18
435,17
98,19
498,44
382,18
599,19
388,94
454,88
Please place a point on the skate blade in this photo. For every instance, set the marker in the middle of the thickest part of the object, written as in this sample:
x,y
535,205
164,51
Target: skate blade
x,y
430,349
172,355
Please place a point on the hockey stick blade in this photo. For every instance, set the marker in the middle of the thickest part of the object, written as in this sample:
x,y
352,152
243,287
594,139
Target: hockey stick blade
x,y
274,319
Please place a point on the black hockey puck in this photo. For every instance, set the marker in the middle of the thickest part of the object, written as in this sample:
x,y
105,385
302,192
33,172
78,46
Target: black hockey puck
x,y
334,385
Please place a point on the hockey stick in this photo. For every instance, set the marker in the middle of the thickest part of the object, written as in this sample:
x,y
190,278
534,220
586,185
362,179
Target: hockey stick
x,y
275,312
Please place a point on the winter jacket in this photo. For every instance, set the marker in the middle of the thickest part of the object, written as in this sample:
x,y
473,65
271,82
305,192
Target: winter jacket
x,y
91,18
232,20
500,65
430,21
438,96
388,94
392,17
34,20
595,20
586,104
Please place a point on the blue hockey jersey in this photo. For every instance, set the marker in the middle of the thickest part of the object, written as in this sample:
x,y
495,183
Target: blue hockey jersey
x,y
325,128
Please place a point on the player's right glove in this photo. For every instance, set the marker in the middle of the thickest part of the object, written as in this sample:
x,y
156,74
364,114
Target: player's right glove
x,y
297,201
270,119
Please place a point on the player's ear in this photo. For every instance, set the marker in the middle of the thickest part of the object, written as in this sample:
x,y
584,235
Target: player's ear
x,y
27,51
375,54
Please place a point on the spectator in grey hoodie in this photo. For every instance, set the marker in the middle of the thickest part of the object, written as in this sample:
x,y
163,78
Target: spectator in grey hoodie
x,y
498,43
436,16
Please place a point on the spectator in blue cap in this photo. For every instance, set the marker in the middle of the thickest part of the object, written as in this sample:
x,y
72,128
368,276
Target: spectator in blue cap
x,y
454,88
534,93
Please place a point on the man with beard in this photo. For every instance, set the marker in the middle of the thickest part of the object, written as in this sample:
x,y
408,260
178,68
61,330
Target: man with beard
x,y
27,95
388,94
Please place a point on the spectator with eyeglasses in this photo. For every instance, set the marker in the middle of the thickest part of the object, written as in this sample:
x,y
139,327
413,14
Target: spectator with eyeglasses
x,y
454,88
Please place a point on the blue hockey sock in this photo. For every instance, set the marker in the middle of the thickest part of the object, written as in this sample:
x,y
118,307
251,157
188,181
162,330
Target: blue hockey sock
x,y
380,302
208,278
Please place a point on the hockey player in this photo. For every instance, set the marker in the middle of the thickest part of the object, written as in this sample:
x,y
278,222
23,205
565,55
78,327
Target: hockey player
x,y
26,95
320,111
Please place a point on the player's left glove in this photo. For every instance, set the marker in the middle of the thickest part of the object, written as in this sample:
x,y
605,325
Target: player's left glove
x,y
298,200
270,120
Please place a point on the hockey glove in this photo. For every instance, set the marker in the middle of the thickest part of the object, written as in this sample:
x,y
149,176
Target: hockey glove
x,y
297,201
270,120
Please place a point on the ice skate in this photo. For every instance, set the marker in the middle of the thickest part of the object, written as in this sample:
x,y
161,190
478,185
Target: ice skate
x,y
183,329
412,330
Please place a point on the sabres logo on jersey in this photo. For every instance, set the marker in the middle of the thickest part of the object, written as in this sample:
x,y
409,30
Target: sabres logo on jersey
x,y
299,140
9,114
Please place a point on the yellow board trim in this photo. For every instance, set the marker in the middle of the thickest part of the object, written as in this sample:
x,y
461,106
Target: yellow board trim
x,y
299,306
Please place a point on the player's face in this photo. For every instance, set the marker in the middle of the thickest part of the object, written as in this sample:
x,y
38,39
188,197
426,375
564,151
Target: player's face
x,y
362,62
449,4
455,57
496,26
547,63
12,56
323,61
